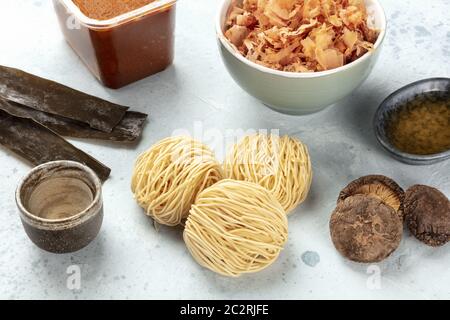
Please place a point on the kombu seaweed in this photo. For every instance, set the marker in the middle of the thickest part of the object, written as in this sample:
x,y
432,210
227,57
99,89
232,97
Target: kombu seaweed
x,y
38,144
54,98
129,128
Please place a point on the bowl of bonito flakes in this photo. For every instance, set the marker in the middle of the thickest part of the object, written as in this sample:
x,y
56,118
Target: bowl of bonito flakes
x,y
300,56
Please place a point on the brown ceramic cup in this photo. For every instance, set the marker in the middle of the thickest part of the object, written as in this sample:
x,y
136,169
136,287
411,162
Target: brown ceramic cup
x,y
60,205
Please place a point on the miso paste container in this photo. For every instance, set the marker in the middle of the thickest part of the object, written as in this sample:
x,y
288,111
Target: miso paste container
x,y
125,48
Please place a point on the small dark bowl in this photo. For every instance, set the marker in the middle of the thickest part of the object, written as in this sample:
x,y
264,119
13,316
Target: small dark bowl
x,y
60,234
397,100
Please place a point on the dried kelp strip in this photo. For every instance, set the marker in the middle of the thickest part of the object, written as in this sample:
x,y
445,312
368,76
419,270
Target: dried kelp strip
x,y
129,128
52,97
38,144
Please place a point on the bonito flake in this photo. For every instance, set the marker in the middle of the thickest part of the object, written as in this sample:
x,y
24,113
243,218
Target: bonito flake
x,y
300,35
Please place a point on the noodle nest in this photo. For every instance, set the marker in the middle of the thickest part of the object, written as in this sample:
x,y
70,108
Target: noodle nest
x,y
168,177
280,164
236,227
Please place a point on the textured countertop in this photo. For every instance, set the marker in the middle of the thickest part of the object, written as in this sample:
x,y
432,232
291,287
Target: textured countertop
x,y
130,259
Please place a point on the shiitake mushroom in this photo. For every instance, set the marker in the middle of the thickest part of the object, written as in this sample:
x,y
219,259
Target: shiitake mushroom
x,y
427,215
365,229
378,186
367,224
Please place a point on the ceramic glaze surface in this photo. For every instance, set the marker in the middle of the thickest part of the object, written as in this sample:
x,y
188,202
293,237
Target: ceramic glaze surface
x,y
60,205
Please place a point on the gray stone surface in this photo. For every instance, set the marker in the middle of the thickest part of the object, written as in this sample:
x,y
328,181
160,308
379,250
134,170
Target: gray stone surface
x,y
129,259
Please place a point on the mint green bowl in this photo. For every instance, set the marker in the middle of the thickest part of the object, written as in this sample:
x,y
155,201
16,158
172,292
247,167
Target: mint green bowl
x,y
299,93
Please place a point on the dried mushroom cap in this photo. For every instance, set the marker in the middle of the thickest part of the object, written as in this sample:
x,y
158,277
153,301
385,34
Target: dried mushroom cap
x,y
427,214
365,229
381,187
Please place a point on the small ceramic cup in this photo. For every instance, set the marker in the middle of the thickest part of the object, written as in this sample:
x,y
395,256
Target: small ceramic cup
x,y
60,205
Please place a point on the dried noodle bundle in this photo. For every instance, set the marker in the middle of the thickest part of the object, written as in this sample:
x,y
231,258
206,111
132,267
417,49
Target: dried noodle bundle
x,y
300,35
280,164
168,177
235,227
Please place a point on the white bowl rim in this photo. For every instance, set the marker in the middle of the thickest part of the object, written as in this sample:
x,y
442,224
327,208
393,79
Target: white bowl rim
x,y
298,75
